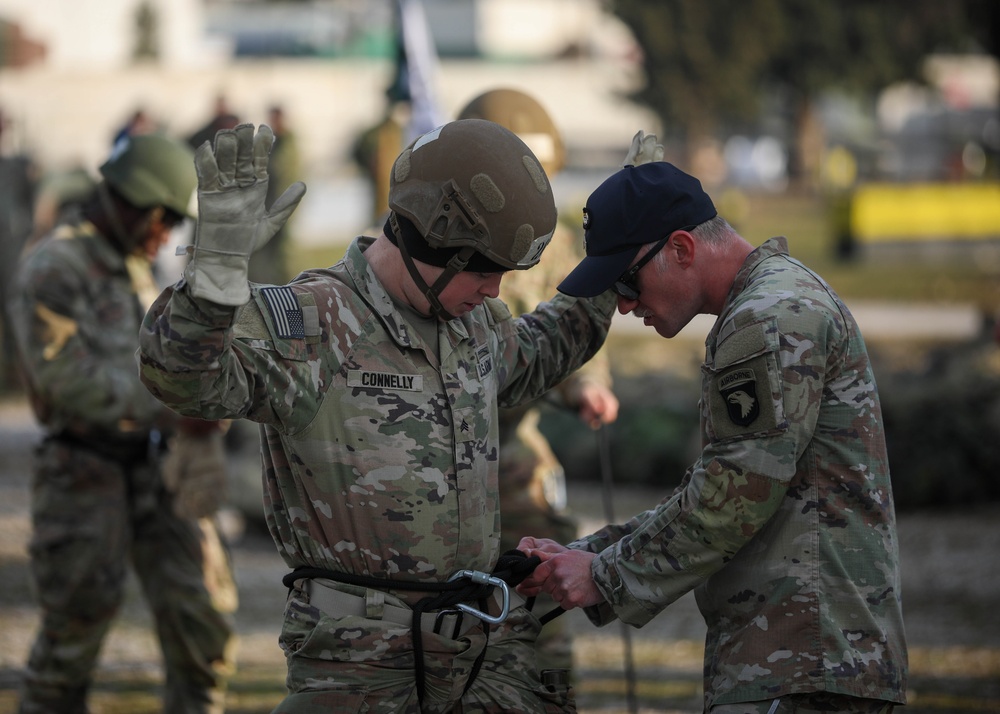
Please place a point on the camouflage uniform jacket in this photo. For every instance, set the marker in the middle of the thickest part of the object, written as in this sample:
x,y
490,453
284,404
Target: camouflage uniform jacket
x,y
380,456
76,311
785,524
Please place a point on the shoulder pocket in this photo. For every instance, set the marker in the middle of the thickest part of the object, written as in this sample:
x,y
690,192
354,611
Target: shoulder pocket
x,y
743,386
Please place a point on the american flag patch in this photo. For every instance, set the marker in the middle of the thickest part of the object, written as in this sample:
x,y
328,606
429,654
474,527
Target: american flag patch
x,y
285,312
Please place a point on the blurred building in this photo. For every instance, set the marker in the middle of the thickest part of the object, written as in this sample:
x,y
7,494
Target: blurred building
x,y
107,34
80,67
328,62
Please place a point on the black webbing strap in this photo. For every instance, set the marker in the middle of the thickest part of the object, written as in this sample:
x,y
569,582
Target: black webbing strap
x,y
512,567
456,264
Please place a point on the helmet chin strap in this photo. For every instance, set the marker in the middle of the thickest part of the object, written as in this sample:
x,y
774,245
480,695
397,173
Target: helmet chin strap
x,y
455,265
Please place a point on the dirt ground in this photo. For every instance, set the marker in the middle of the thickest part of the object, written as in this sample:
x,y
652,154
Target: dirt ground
x,y
951,586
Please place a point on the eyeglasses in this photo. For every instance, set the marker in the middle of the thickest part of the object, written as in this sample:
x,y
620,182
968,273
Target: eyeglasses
x,y
625,285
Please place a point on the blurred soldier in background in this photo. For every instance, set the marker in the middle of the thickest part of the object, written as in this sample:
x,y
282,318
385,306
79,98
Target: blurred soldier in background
x,y
59,199
531,479
222,118
270,263
17,189
100,497
375,150
138,123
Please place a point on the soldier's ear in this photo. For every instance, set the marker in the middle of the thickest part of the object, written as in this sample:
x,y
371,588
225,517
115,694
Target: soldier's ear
x,y
681,246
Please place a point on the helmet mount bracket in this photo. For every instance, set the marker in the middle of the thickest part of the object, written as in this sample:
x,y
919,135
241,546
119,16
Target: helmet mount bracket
x,y
451,195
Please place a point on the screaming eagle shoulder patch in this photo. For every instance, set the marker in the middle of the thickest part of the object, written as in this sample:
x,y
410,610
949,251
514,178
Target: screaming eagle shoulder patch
x,y
741,400
739,390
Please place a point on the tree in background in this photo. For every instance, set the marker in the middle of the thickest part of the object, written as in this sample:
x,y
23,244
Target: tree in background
x,y
702,60
710,66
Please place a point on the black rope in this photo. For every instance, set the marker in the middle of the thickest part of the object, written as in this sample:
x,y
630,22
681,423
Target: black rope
x,y
512,567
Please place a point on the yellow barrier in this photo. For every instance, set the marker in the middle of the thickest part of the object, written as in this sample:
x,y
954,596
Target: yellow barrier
x,y
925,212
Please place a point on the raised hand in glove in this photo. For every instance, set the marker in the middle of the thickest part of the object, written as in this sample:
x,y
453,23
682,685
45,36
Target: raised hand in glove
x,y
232,219
644,150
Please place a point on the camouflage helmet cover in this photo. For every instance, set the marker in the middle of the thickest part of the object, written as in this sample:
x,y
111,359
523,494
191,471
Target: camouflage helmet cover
x,y
474,183
526,117
151,170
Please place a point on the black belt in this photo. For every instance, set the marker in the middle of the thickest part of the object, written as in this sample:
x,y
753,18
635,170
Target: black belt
x,y
124,450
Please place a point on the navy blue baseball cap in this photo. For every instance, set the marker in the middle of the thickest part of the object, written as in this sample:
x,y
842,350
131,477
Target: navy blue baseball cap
x,y
635,206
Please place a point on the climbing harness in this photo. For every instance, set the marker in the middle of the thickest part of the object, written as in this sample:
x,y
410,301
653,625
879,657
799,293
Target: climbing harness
x,y
451,597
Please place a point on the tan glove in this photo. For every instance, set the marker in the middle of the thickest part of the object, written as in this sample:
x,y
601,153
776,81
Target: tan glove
x,y
194,471
232,220
644,150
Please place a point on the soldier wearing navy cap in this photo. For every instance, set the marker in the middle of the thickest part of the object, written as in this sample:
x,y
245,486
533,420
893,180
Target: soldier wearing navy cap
x,y
630,210
784,526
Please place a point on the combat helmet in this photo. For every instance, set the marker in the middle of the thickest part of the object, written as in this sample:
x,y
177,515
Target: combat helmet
x,y
526,117
151,170
469,195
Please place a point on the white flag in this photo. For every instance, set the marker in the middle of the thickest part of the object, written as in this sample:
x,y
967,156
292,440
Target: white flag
x,y
421,69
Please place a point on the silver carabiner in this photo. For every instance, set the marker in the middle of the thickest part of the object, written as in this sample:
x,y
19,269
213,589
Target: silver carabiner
x,y
482,578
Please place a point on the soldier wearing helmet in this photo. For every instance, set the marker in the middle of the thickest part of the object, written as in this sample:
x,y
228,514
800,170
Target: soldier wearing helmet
x,y
531,479
100,494
377,383
483,211
148,189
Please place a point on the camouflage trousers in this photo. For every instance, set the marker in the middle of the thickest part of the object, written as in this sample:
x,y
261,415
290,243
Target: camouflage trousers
x,y
355,664
812,703
90,516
